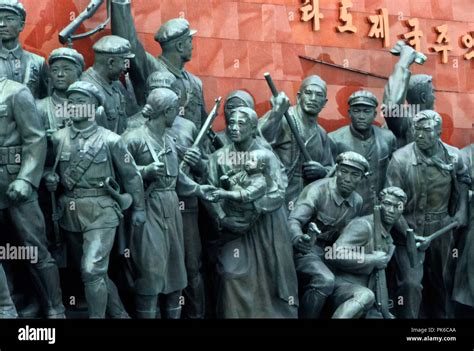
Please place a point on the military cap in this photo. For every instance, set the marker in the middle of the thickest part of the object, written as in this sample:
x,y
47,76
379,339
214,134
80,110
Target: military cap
x,y
173,29
363,97
67,54
113,45
353,159
13,6
160,79
88,89
313,80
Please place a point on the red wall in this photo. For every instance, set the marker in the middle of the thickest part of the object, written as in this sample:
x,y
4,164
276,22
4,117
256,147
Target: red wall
x,y
262,36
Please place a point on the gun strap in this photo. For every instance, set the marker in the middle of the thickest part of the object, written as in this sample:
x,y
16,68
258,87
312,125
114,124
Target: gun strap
x,y
82,162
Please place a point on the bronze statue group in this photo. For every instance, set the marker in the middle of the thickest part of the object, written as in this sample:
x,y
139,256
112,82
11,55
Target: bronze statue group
x,y
271,218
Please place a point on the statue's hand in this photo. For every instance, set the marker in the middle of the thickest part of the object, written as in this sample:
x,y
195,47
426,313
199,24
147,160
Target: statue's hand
x,y
208,193
407,54
154,170
280,103
381,259
313,170
192,156
235,224
302,244
51,181
461,218
19,190
421,243
138,217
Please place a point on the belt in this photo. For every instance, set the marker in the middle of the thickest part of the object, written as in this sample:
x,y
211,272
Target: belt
x,y
86,192
10,155
435,216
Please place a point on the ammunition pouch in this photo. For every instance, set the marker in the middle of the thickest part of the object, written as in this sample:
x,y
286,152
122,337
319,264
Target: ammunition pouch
x,y
10,155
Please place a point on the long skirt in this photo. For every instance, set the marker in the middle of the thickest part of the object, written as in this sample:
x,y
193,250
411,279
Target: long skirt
x,y
257,276
158,248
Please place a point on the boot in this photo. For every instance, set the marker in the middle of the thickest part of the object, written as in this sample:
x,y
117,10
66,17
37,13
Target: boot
x,y
96,296
115,308
349,309
173,313
146,306
311,304
47,283
7,308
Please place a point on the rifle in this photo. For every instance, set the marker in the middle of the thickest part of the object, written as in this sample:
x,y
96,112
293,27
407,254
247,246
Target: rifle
x,y
290,121
204,129
424,245
67,34
381,292
411,247
215,141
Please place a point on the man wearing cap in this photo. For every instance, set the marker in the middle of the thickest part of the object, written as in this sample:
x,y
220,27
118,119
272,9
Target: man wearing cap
x,y
185,132
417,90
87,155
311,99
372,142
66,66
330,203
435,179
22,156
175,38
463,292
110,61
364,247
18,64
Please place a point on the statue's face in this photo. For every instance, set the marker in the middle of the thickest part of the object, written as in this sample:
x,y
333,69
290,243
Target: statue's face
x,y
171,113
312,99
232,104
63,74
81,107
426,134
347,179
362,117
11,25
391,208
116,67
239,128
187,49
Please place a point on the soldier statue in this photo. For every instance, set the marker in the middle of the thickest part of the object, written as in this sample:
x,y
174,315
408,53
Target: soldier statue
x,y
66,66
176,41
110,61
158,249
330,203
7,307
88,158
435,179
372,142
463,291
185,132
358,255
311,99
20,65
23,153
